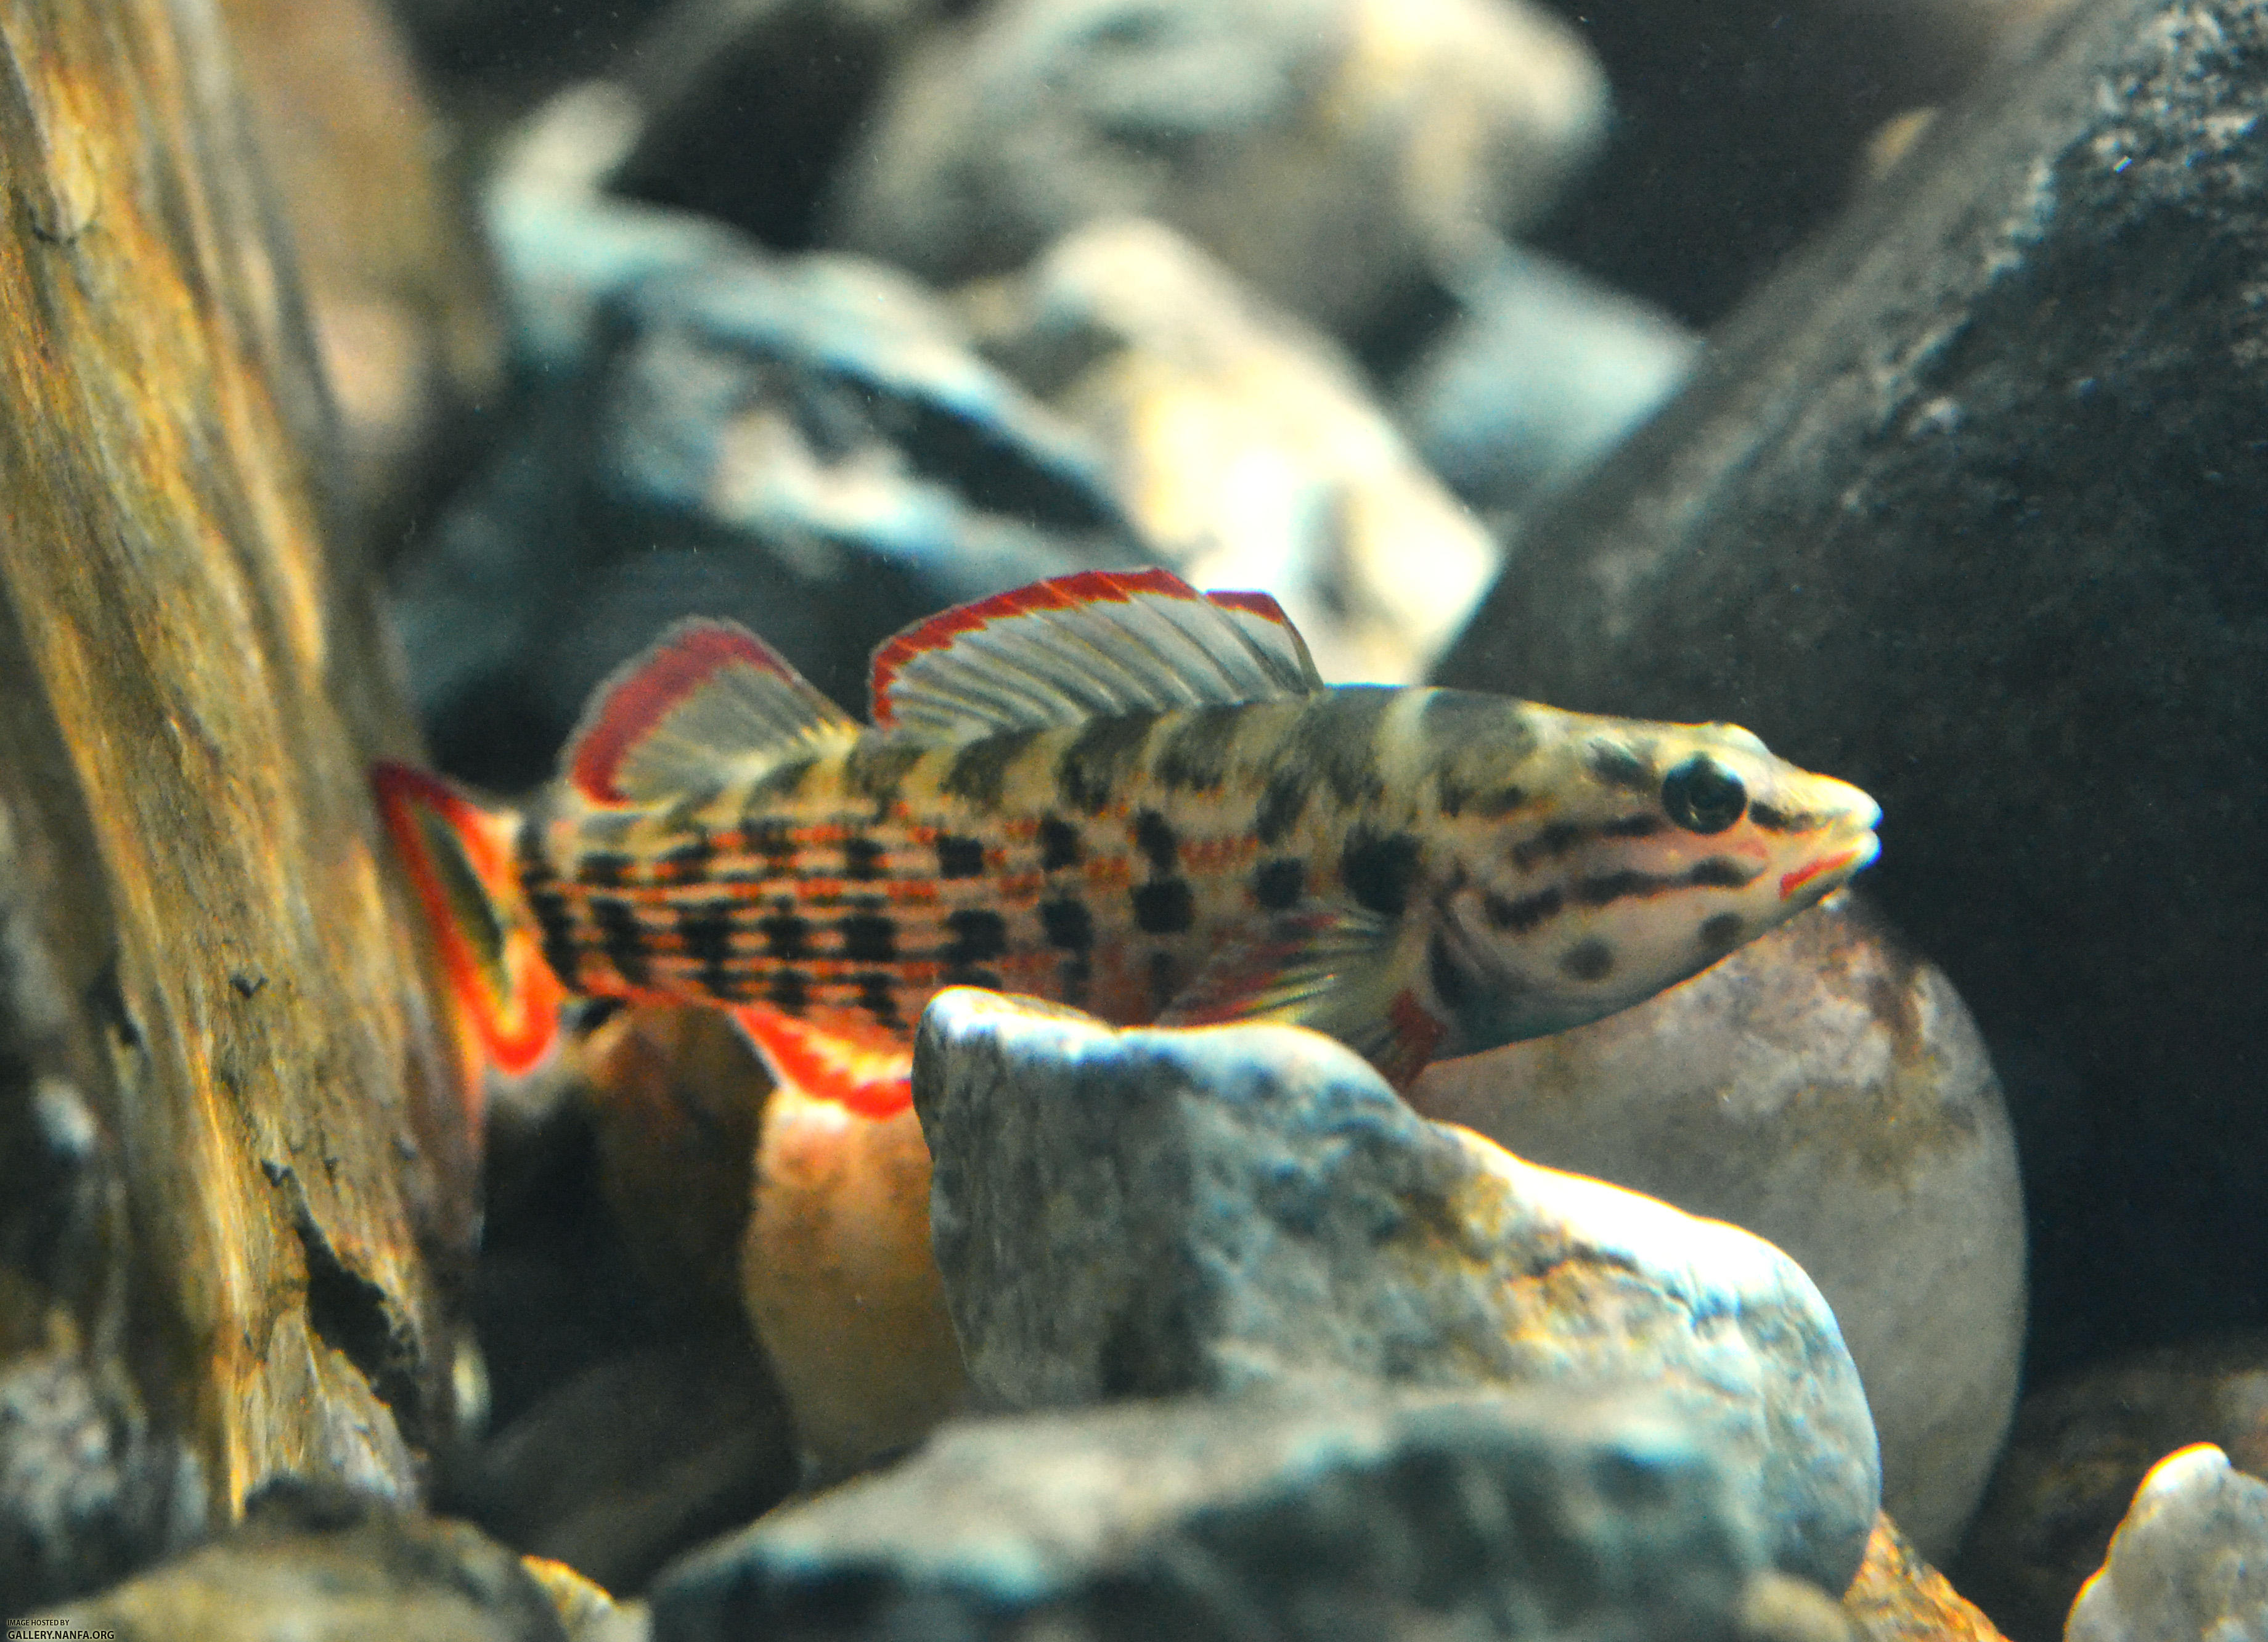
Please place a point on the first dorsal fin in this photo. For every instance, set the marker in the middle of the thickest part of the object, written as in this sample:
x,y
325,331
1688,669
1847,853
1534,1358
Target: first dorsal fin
x,y
709,702
1090,645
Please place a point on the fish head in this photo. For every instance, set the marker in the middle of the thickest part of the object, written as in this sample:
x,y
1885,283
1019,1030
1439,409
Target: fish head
x,y
1639,854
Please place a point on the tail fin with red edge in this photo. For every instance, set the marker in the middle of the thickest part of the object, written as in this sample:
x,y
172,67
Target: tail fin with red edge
x,y
459,858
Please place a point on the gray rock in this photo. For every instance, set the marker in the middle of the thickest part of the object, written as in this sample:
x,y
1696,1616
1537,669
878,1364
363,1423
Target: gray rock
x,y
1325,149
1147,1212
1461,1516
808,444
1246,446
1541,374
1966,507
2189,1561
1823,1088
324,1564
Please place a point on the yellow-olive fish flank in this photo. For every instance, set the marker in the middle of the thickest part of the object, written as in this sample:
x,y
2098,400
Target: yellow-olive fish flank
x,y
1115,792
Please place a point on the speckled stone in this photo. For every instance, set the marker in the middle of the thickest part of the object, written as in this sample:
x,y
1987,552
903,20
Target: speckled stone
x,y
1326,150
2191,1560
2081,1447
1247,446
1823,1087
1153,1212
1535,1516
321,1562
1898,1597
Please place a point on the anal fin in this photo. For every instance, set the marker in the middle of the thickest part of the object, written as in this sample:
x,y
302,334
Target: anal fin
x,y
870,1075
1328,968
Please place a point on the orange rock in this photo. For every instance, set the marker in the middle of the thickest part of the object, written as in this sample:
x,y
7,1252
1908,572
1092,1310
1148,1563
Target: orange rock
x,y
1897,1597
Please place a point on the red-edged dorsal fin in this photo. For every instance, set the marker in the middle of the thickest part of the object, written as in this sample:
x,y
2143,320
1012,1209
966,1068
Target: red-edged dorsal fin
x,y
868,1074
1094,644
1329,967
459,858
711,702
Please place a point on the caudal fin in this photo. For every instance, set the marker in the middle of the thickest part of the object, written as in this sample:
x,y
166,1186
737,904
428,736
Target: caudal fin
x,y
459,858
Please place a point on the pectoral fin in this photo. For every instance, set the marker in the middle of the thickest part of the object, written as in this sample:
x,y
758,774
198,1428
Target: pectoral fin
x,y
1332,968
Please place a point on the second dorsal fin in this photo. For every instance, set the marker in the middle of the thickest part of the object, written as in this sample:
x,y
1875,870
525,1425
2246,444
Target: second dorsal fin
x,y
709,702
1094,644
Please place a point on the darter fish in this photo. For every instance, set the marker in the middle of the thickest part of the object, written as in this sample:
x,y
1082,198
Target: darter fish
x,y
1114,791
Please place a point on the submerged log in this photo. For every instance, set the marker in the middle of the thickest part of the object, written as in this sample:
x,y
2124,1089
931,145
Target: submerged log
x,y
231,1141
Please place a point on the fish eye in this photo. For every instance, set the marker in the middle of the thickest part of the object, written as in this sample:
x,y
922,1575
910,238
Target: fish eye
x,y
1702,795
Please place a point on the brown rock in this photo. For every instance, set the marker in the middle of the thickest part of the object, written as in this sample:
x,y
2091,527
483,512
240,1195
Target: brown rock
x,y
1897,1597
253,1142
2081,1447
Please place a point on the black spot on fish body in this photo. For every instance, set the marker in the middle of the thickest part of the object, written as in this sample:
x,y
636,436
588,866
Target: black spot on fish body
x,y
862,859
1074,976
978,774
1721,872
621,939
604,869
557,925
1378,869
1612,886
878,996
787,937
1618,767
1280,883
1472,743
1336,736
1156,841
1195,756
788,989
1164,907
877,767
1165,981
1448,980
1633,827
1068,925
868,938
1091,769
1772,819
779,784
690,862
773,838
706,930
1059,846
978,936
1722,932
1525,914
1282,802
1554,841
960,858
1588,961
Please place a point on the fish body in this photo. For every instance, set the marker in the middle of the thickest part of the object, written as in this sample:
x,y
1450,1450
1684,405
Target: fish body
x,y
1114,793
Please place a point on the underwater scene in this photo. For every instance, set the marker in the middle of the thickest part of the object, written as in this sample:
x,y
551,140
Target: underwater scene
x,y
1252,821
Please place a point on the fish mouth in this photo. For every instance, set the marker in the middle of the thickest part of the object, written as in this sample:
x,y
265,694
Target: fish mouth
x,y
1854,848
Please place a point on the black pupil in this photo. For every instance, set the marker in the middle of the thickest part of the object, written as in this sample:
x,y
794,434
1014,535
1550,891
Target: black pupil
x,y
1702,795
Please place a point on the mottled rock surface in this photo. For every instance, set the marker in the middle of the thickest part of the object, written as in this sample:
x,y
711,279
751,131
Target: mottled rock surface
x,y
1898,1597
1824,1088
2191,1560
1325,149
809,445
321,1562
1155,1211
1245,444
1964,508
2081,1447
1468,1515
